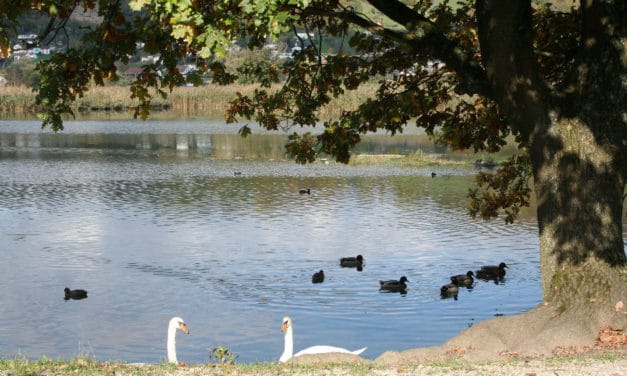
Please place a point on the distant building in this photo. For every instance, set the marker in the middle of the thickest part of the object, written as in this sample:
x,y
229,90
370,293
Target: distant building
x,y
28,38
27,47
132,72
186,69
149,58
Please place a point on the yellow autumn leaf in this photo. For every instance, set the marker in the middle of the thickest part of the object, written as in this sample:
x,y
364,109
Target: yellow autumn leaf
x,y
5,49
137,5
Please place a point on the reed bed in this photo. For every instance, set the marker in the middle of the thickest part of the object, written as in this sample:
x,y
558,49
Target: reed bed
x,y
16,100
209,101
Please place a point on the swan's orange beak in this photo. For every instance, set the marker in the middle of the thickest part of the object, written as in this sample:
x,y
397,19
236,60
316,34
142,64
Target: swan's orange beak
x,y
284,326
183,328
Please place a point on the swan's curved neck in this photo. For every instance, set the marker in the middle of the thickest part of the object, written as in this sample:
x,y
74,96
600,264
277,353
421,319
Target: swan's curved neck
x,y
172,344
288,349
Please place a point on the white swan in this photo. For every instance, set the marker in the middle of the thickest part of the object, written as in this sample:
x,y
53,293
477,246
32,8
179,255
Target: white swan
x,y
175,323
286,328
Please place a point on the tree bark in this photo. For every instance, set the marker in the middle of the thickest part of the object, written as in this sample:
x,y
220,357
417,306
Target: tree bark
x,y
580,196
576,140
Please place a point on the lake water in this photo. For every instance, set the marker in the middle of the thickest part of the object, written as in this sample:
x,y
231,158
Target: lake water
x,y
152,219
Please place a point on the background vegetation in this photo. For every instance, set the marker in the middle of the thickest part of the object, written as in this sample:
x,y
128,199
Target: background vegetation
x,y
208,101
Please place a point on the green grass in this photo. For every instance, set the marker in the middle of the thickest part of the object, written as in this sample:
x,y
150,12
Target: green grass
x,y
607,357
86,366
79,366
90,367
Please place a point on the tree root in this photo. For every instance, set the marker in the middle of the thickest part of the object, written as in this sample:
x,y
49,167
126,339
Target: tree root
x,y
538,333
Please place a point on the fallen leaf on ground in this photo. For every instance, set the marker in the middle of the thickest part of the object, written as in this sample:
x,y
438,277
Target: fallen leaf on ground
x,y
509,355
458,351
571,350
611,337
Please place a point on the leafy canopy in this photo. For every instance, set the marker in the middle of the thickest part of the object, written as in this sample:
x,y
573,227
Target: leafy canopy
x,y
423,55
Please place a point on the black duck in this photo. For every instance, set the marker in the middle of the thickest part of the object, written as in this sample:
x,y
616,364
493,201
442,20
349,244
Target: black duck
x,y
492,271
74,294
394,285
463,279
450,289
352,262
317,277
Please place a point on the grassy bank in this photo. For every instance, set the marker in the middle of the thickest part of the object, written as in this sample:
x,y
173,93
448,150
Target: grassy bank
x,y
88,367
209,101
605,364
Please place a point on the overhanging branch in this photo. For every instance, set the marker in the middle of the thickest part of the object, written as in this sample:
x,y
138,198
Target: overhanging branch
x,y
421,37
506,40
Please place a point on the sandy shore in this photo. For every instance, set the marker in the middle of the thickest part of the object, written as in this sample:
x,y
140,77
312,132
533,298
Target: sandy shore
x,y
610,364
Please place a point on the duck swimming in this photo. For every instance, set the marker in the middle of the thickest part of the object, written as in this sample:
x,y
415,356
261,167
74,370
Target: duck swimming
x,y
317,277
463,279
352,262
492,271
394,285
74,294
303,191
449,289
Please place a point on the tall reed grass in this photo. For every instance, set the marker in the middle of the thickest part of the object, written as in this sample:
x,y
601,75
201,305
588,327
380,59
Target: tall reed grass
x,y
16,100
209,101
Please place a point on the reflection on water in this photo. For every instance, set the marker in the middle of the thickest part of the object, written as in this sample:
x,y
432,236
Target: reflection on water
x,y
203,138
152,233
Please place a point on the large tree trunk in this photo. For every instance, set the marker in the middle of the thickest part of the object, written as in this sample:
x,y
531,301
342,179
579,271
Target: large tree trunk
x,y
576,138
578,148
580,195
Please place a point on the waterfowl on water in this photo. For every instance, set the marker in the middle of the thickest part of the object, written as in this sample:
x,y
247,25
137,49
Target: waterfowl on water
x,y
287,329
491,271
174,324
463,279
317,277
74,294
449,289
303,191
352,262
394,285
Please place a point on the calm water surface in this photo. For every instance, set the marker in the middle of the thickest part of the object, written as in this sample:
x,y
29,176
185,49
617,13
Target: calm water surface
x,y
151,219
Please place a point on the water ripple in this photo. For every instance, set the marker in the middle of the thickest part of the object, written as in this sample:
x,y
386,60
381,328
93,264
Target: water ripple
x,y
152,234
